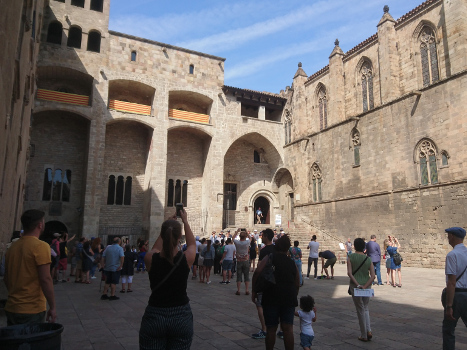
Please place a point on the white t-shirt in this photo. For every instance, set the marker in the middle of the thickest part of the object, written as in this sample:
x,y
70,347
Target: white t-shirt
x,y
230,250
306,319
456,261
242,249
314,249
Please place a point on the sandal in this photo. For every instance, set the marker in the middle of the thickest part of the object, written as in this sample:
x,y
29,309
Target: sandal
x,y
237,293
122,291
369,335
129,291
399,285
362,339
88,282
247,292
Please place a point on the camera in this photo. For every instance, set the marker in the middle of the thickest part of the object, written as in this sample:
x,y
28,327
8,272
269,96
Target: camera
x,y
179,207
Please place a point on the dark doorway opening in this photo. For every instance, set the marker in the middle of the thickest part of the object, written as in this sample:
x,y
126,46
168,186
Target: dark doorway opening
x,y
263,203
52,227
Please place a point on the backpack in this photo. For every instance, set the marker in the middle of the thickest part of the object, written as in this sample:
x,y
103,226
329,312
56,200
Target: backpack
x,y
397,258
266,279
220,251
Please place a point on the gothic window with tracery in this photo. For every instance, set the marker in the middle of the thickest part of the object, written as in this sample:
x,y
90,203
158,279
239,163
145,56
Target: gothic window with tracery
x,y
316,179
119,190
428,56
323,108
428,166
367,86
356,143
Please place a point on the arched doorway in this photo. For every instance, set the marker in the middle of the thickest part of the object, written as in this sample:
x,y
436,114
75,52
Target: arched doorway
x,y
263,203
50,228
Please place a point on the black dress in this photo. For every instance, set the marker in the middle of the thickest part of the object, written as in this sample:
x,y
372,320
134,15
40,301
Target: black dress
x,y
128,268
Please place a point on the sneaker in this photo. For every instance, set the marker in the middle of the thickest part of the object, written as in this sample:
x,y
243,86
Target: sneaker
x,y
223,282
260,335
307,278
208,282
315,278
104,297
280,334
63,281
228,282
113,297
93,277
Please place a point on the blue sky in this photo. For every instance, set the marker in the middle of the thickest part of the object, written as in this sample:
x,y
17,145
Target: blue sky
x,y
262,41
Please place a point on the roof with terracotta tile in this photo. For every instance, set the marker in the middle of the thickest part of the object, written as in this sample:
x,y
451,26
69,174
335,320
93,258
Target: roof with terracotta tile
x,y
416,10
371,39
226,88
318,73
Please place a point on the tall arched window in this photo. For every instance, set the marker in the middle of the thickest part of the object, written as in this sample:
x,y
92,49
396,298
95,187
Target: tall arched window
x,y
127,198
47,188
316,179
111,190
428,56
178,191
356,143
119,191
170,193
427,158
366,73
323,108
54,33
97,5
94,41
185,193
444,158
74,37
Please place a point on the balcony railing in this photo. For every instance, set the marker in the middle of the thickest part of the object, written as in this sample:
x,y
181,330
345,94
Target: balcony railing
x,y
129,107
189,116
64,97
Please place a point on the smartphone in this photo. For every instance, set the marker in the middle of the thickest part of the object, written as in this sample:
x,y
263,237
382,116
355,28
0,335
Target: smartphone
x,y
179,207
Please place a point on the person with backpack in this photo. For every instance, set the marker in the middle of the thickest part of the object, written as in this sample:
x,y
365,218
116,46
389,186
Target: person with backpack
x,y
395,262
218,256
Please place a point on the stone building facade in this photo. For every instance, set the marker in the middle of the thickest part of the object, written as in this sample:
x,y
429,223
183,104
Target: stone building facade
x,y
124,128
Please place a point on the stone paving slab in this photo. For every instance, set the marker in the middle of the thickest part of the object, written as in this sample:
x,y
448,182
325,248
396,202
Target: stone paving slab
x,y
402,318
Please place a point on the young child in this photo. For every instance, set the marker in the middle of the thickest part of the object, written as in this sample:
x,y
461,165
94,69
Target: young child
x,y
307,315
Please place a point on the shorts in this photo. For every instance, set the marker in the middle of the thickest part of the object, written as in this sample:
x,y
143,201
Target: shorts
x,y
274,313
63,264
73,262
306,340
330,262
208,262
227,265
243,269
259,298
196,260
127,279
112,277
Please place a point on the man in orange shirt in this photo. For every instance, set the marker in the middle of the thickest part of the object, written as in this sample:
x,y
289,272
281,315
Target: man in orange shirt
x,y
27,275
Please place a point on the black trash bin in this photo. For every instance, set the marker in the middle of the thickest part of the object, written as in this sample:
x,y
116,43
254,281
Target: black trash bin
x,y
39,336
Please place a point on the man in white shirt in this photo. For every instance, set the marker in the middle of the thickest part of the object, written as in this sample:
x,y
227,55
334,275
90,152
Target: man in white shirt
x,y
454,297
227,261
242,248
313,246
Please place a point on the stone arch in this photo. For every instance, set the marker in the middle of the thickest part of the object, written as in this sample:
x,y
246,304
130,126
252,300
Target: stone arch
x,y
55,78
115,118
51,227
190,101
283,185
128,90
79,111
424,23
419,143
277,177
259,198
75,36
193,128
55,32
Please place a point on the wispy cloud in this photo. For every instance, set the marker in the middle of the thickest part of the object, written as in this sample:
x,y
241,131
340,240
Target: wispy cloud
x,y
236,37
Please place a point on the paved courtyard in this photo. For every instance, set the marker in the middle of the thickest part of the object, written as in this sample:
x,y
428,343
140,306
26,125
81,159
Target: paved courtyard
x,y
402,318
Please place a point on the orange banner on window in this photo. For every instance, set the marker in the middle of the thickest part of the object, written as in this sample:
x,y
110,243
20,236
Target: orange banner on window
x,y
129,107
189,116
49,95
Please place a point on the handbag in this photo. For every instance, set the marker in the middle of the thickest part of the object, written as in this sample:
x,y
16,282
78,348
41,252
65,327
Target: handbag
x,y
397,259
354,272
266,279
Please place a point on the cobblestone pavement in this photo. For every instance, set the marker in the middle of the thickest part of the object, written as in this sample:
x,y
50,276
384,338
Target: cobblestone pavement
x,y
402,318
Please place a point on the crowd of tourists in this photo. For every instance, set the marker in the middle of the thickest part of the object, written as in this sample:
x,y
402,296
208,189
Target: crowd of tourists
x,y
34,263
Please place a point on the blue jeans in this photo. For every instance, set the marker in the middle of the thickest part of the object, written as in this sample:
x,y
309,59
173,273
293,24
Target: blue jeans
x,y
140,265
299,267
377,271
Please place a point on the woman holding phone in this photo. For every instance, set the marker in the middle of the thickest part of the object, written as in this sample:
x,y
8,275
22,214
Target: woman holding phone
x,y
167,322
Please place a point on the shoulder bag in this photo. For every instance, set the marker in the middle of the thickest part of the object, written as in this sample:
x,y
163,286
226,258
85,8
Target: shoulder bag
x,y
266,279
354,272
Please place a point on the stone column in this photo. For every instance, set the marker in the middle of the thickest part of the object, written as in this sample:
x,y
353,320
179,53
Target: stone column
x,y
336,95
455,33
300,115
388,58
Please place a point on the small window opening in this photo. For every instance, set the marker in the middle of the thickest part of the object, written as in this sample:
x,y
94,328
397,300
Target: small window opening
x,y
74,37
97,5
79,3
54,33
256,157
133,56
94,42
192,69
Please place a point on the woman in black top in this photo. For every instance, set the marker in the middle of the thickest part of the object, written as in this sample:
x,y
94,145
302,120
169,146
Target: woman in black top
x,y
279,301
128,269
253,253
167,321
